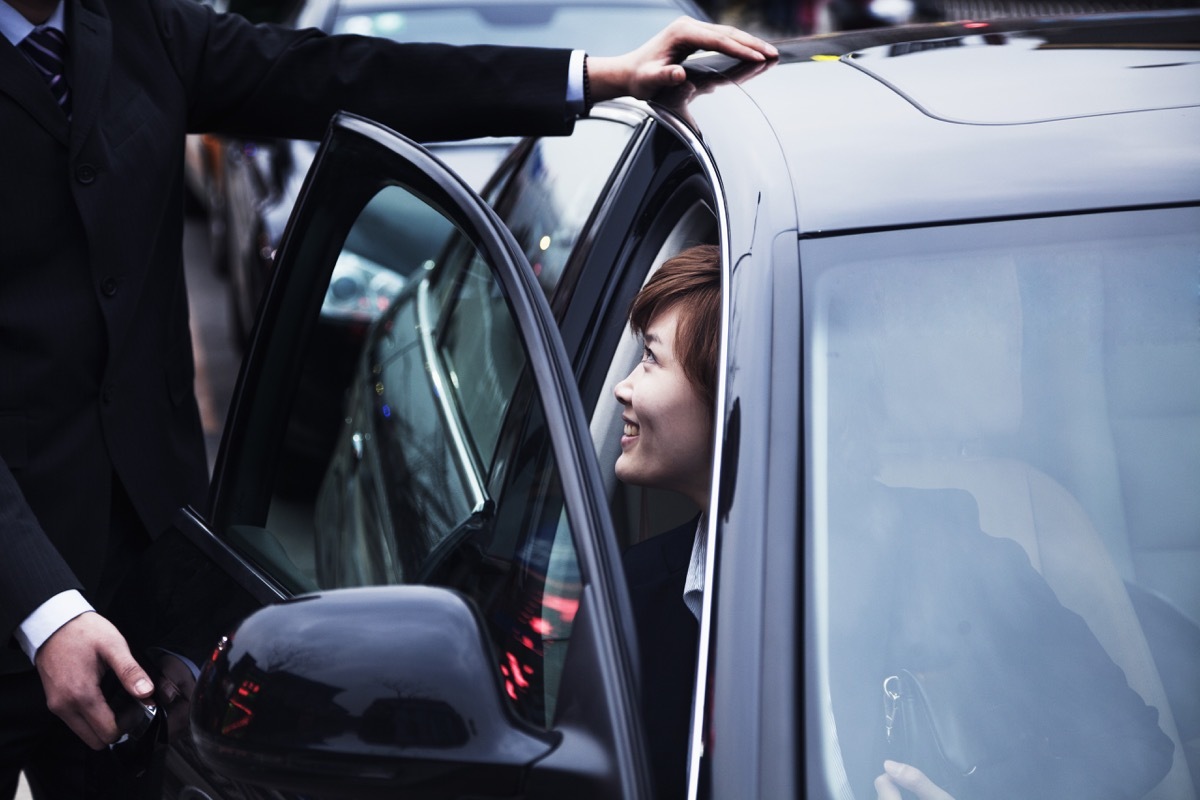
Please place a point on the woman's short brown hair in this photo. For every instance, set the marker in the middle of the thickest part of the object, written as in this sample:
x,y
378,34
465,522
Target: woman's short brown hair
x,y
690,281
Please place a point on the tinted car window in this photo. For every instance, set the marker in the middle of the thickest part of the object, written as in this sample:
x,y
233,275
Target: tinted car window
x,y
552,193
441,470
457,384
400,438
1005,421
379,255
416,448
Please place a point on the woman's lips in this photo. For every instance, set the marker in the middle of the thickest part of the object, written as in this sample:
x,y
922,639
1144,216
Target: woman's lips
x,y
629,433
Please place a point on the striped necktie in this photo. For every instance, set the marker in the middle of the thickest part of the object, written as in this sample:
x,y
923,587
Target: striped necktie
x,y
46,49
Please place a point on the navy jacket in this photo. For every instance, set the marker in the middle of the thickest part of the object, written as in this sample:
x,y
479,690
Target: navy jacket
x,y
668,638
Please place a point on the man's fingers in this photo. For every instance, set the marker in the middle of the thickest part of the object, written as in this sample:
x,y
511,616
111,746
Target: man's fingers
x,y
739,44
71,663
665,77
655,65
687,35
132,676
691,34
90,727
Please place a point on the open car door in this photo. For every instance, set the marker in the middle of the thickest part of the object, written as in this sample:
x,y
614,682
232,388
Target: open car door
x,y
407,485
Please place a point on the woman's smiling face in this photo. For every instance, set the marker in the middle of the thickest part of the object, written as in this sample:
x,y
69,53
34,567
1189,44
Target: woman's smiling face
x,y
667,441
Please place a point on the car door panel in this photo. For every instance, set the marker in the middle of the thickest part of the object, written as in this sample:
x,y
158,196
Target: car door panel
x,y
541,558
185,592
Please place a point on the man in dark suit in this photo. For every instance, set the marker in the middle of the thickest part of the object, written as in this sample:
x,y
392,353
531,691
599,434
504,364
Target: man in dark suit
x,y
100,441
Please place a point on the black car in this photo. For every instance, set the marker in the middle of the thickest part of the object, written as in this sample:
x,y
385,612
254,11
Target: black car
x,y
961,276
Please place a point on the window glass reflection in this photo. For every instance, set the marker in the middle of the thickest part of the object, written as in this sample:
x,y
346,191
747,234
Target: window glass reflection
x,y
1005,423
553,192
443,470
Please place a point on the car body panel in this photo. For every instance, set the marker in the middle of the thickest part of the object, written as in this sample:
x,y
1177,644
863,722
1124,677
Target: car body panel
x,y
844,130
996,87
757,701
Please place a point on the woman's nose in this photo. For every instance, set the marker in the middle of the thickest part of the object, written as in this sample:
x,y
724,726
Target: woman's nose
x,y
624,390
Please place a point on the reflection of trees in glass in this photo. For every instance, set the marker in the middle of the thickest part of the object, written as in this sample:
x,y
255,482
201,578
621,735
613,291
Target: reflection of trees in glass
x,y
408,721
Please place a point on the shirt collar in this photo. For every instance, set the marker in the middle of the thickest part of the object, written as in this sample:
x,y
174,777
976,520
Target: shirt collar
x,y
693,584
15,27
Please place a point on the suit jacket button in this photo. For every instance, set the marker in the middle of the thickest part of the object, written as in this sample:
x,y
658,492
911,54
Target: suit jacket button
x,y
108,286
85,173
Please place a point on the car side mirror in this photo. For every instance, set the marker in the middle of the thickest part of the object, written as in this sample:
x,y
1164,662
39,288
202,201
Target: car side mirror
x,y
382,691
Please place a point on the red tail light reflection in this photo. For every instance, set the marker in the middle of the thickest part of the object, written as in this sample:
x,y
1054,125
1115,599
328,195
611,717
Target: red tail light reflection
x,y
541,619
514,673
566,607
240,712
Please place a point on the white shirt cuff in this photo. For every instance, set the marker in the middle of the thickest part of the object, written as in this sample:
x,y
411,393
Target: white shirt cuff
x,y
576,105
48,618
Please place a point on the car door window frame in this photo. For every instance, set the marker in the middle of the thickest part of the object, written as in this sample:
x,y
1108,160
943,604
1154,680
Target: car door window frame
x,y
257,423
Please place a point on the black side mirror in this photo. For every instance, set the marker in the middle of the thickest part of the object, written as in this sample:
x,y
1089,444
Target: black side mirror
x,y
382,691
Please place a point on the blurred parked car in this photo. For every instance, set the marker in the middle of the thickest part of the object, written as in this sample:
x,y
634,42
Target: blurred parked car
x,y
203,153
263,177
959,263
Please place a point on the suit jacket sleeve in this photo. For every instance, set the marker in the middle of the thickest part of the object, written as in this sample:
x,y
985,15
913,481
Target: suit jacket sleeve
x,y
274,81
31,570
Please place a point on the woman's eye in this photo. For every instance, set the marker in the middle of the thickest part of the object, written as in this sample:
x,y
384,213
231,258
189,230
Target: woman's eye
x,y
647,355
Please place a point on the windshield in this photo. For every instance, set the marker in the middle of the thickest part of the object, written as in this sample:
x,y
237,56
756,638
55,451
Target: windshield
x,y
1005,448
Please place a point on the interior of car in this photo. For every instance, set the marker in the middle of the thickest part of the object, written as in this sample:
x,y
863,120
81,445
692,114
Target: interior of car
x,y
639,512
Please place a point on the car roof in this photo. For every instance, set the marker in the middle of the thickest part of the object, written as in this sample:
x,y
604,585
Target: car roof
x,y
943,123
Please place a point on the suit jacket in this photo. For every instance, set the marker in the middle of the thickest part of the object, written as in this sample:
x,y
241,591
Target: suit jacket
x,y
96,365
668,639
